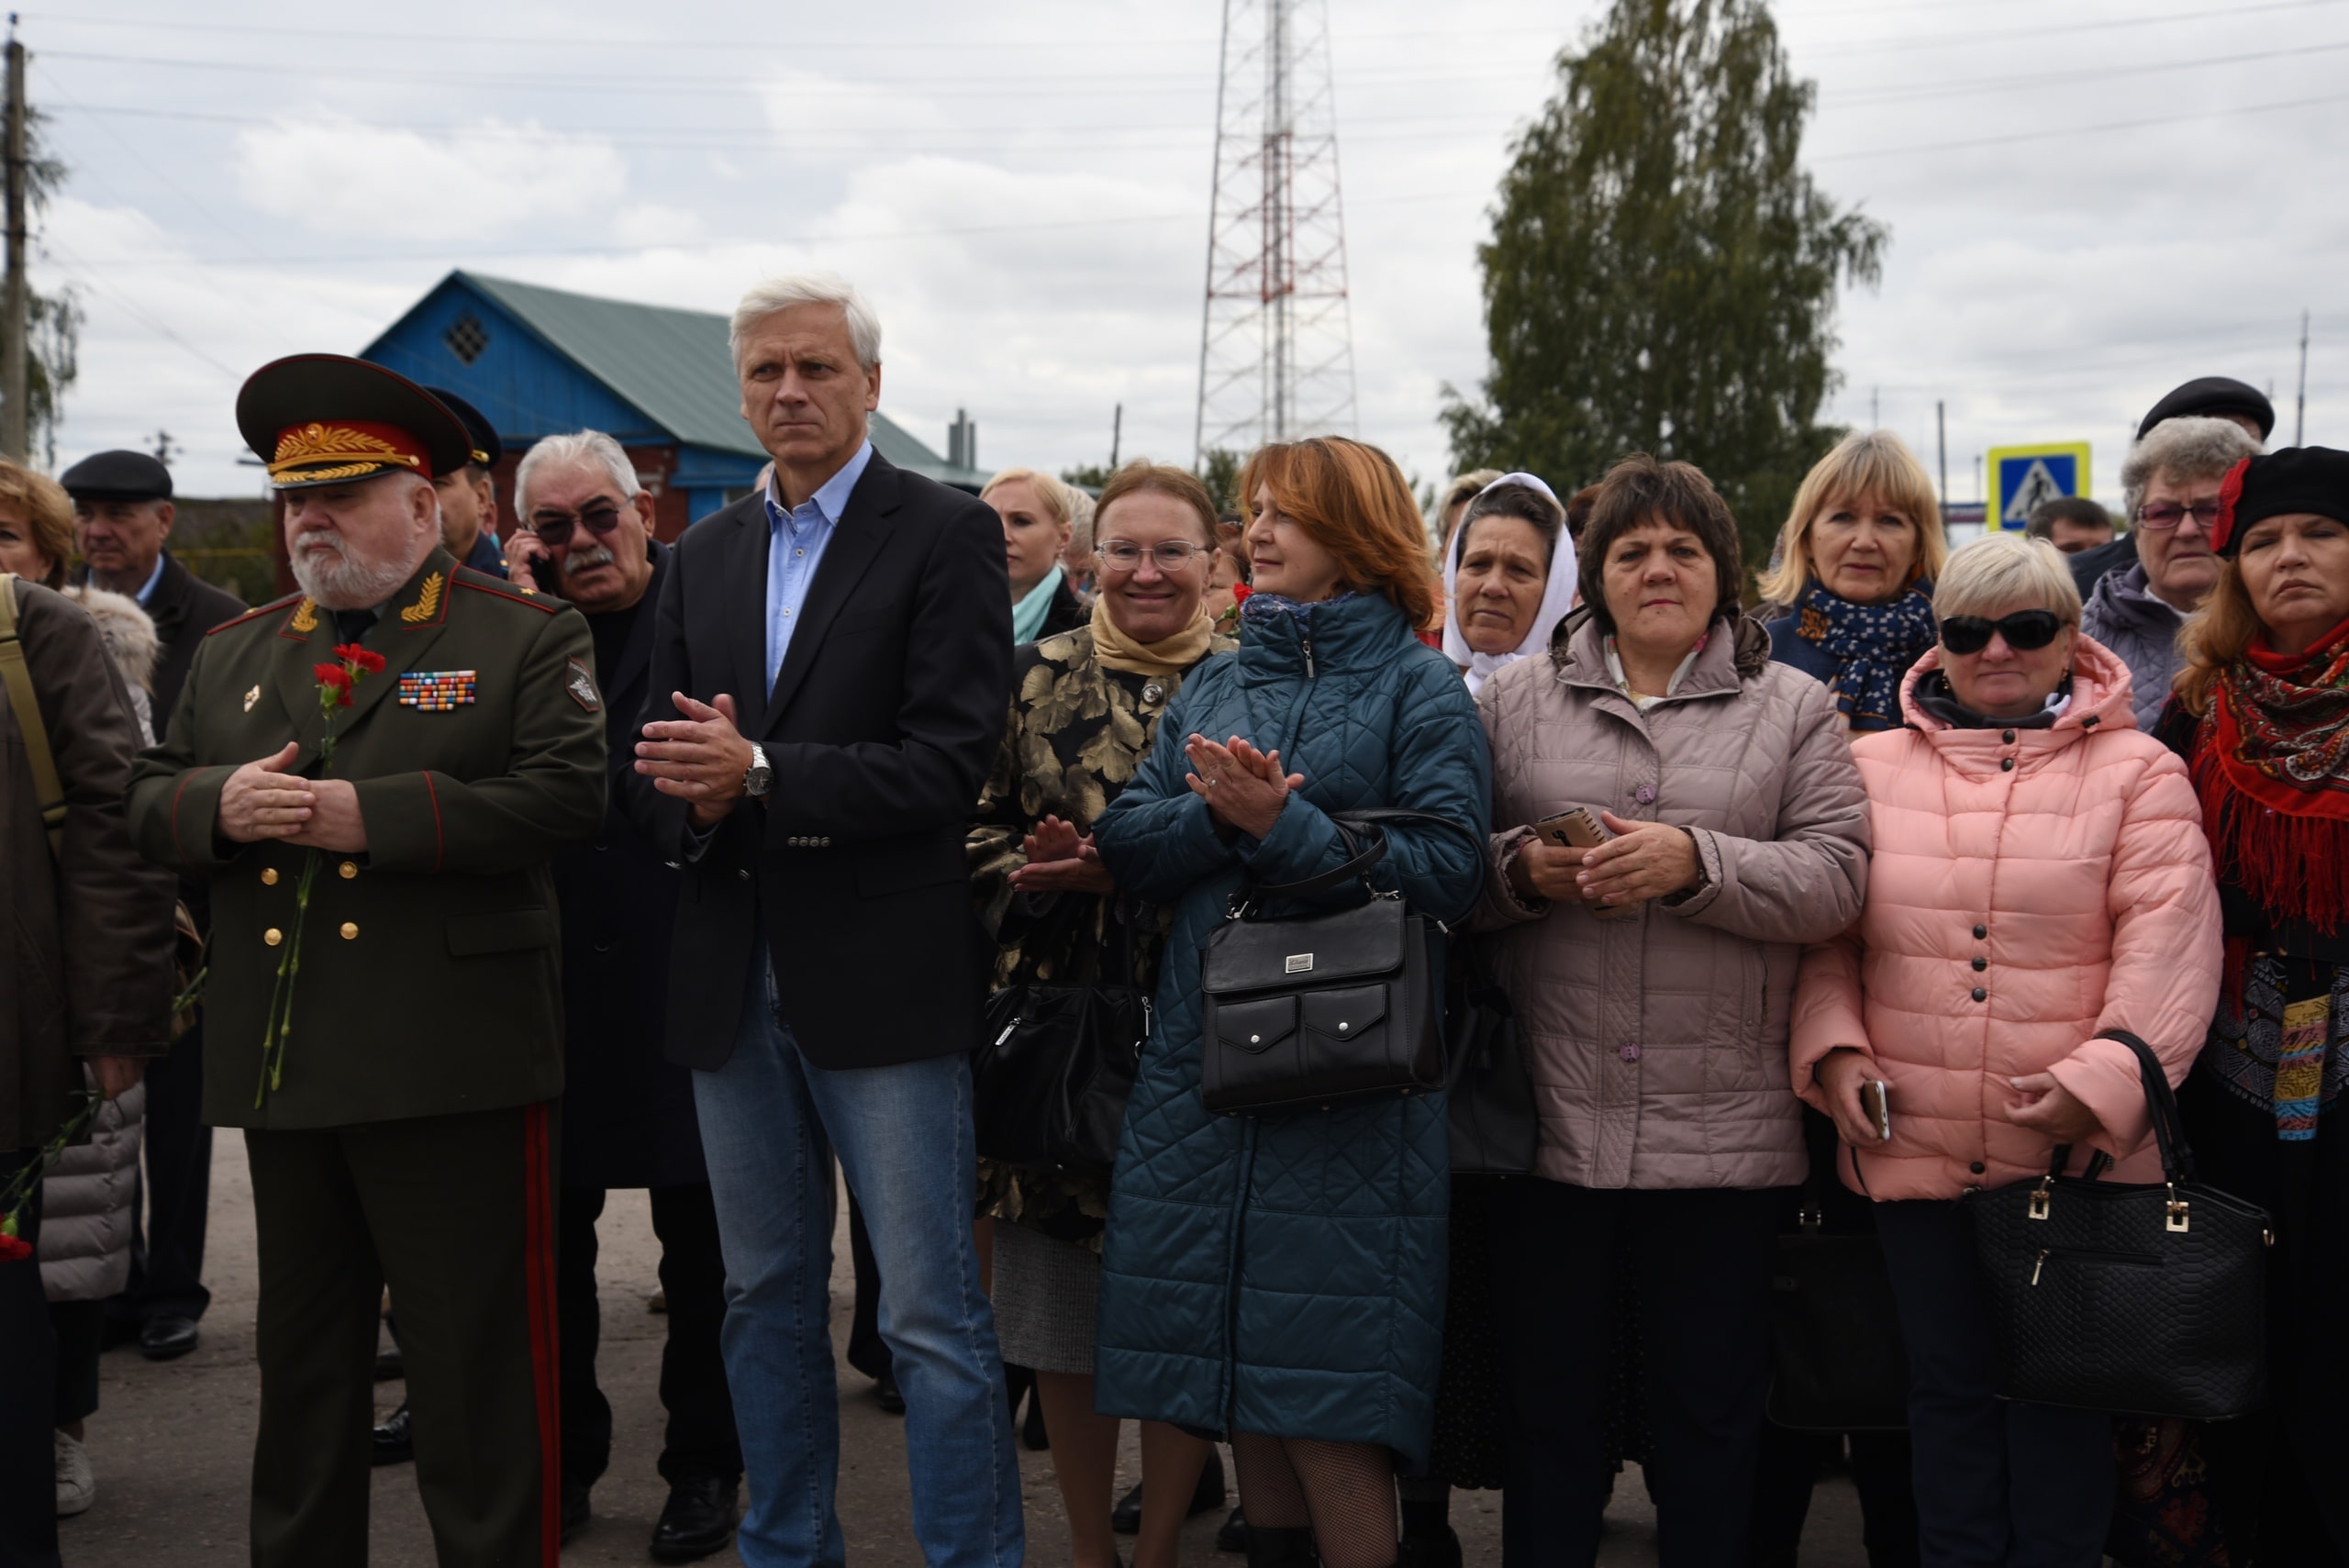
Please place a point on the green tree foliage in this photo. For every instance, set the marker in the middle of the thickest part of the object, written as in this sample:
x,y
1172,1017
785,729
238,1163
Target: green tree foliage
x,y
1089,475
1662,273
52,322
1219,472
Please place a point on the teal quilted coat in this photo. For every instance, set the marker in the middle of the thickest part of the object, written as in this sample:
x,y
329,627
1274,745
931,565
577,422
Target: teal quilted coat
x,y
1285,1274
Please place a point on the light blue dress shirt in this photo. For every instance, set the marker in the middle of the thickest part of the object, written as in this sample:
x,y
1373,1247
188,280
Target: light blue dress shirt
x,y
797,540
147,593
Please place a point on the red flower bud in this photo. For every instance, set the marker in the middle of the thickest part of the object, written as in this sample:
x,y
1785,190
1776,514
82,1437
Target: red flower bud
x,y
14,1248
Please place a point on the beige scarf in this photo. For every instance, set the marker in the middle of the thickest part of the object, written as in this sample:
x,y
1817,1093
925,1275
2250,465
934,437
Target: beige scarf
x,y
1168,656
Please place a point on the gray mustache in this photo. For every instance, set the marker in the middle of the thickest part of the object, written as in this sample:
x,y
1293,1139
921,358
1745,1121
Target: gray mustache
x,y
580,560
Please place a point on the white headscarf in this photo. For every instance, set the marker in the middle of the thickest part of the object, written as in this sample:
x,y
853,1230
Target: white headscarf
x,y
1557,595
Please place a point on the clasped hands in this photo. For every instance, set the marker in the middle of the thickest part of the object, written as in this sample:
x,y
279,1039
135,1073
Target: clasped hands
x,y
700,758
261,800
1244,788
1644,860
1060,860
2046,1106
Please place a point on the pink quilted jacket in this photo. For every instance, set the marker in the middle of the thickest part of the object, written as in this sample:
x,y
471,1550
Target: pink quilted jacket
x,y
2029,888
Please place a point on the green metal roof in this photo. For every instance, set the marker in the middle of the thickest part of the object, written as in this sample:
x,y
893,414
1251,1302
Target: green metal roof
x,y
675,366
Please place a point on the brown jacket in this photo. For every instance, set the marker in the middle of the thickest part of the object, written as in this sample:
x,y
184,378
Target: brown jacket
x,y
85,961
1657,1043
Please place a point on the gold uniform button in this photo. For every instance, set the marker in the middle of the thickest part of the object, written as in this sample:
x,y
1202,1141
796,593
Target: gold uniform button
x,y
269,876
350,869
349,931
272,936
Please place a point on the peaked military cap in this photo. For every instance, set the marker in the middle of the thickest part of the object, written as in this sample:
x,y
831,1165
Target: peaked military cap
x,y
117,476
331,420
487,449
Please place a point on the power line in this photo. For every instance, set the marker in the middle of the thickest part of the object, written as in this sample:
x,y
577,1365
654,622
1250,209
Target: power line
x,y
2072,130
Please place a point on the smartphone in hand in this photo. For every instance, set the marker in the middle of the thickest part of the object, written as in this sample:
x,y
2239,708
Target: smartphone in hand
x,y
1875,1100
1580,828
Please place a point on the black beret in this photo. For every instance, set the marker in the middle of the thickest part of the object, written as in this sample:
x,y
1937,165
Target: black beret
x,y
2212,396
117,476
2297,479
486,448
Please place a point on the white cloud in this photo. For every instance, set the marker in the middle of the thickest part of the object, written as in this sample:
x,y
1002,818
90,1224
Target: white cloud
x,y
333,175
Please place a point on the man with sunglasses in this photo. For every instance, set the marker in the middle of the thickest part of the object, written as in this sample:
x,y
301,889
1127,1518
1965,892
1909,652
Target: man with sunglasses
x,y
2170,487
628,1114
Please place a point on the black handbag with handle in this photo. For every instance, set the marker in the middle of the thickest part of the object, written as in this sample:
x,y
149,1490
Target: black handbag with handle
x,y
1837,1360
1313,1010
1054,1067
1489,1094
2145,1299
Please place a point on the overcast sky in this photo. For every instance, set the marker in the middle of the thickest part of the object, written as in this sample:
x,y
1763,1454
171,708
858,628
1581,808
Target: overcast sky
x,y
2089,200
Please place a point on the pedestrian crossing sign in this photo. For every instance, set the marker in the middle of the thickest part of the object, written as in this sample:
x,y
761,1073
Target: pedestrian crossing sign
x,y
2022,478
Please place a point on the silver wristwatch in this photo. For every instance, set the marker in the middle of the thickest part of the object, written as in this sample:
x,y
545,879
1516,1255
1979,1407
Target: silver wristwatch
x,y
758,778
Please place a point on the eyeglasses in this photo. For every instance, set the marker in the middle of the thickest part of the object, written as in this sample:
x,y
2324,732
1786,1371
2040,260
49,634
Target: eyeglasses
x,y
554,527
1124,555
2025,630
2164,516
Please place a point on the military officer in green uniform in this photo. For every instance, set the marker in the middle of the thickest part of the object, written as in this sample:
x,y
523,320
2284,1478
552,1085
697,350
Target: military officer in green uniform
x,y
395,1080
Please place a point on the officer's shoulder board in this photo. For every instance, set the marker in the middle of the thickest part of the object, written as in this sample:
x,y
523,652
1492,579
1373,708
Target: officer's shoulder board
x,y
512,594
254,614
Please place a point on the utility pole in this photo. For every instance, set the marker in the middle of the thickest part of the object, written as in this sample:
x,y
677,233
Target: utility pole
x,y
2300,411
1117,429
13,383
1875,421
1941,442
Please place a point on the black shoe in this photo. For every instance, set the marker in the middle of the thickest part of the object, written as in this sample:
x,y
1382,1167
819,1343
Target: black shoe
x,y
697,1520
166,1338
574,1506
885,1394
1032,1432
394,1442
1429,1551
1205,1498
1233,1534
1291,1547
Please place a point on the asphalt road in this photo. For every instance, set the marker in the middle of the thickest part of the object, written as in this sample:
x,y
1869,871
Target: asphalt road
x,y
171,1443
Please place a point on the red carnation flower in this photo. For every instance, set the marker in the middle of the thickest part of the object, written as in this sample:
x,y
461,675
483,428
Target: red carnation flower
x,y
12,1248
351,653
335,679
1239,591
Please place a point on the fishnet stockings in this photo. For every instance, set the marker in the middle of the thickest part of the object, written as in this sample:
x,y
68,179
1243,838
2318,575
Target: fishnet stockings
x,y
1345,1491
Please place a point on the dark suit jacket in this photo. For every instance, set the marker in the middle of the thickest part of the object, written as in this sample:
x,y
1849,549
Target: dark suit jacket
x,y
628,1114
185,607
881,726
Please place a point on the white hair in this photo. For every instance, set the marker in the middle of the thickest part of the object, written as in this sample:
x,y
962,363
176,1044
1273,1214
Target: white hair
x,y
326,569
580,447
2190,447
2001,571
780,294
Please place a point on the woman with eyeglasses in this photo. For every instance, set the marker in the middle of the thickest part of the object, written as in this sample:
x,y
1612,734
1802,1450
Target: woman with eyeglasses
x,y
2040,876
1084,708
2169,486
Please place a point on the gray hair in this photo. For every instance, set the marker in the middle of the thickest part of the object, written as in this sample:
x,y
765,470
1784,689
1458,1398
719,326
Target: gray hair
x,y
1081,508
2188,447
1998,572
581,447
780,294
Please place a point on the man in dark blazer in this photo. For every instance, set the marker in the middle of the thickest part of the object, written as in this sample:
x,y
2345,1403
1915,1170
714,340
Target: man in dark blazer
x,y
628,1112
122,515
830,674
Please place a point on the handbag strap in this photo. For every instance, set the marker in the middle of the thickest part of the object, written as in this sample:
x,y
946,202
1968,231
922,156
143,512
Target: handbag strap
x,y
18,677
2169,1132
1363,829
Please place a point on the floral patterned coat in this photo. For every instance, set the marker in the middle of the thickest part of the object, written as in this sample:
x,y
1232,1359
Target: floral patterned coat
x,y
1077,735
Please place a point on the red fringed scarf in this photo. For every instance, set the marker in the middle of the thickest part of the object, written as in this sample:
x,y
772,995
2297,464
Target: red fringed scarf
x,y
2272,767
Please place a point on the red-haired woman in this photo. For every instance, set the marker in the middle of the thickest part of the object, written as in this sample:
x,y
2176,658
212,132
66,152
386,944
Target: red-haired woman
x,y
1281,1278
2262,716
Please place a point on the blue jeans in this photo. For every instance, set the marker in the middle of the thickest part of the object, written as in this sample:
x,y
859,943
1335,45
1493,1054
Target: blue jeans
x,y
770,1120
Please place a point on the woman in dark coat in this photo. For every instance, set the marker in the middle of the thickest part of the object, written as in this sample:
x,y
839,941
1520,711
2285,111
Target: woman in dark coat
x,y
2262,716
1281,1278
1084,708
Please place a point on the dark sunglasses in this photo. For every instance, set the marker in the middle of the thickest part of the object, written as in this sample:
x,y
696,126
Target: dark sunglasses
x,y
2024,630
554,527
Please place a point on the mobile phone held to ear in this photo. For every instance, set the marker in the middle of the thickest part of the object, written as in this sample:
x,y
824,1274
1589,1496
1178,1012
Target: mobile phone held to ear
x,y
1580,828
543,572
1875,1100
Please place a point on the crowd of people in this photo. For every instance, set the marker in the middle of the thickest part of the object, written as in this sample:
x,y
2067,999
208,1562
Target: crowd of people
x,y
871,832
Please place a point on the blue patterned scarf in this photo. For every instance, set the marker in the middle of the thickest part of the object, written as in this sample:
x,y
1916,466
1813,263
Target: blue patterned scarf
x,y
1873,647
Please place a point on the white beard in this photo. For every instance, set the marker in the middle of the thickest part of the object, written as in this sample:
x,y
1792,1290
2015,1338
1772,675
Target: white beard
x,y
328,574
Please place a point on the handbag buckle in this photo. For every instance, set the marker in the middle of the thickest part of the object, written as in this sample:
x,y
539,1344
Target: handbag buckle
x,y
2039,1200
2180,1213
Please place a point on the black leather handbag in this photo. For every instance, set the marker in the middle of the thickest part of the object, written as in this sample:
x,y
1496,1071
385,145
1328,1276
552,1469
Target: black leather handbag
x,y
1489,1094
1313,1010
1837,1362
2148,1299
1053,1070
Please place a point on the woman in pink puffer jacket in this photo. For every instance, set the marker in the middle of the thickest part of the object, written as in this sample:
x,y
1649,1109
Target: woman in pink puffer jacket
x,y
2039,875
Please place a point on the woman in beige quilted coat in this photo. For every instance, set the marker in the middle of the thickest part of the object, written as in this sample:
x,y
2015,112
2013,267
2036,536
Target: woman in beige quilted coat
x,y
1652,980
